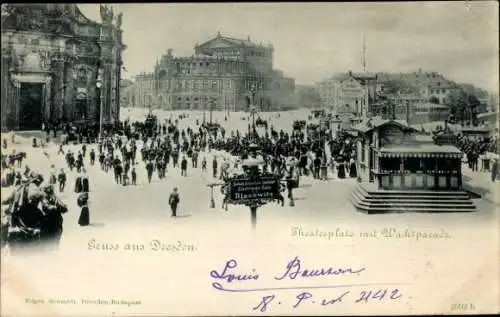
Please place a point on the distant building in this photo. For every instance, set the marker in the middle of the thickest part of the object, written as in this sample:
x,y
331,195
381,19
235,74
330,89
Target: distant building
x,y
349,93
329,92
437,89
126,93
223,73
308,96
426,112
427,84
52,57
144,90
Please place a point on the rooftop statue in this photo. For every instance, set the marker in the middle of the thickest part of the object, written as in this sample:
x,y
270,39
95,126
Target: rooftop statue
x,y
106,13
119,20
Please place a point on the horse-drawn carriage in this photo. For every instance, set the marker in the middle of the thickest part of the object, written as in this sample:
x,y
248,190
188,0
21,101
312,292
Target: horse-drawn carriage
x,y
261,122
212,126
313,126
318,113
299,124
150,124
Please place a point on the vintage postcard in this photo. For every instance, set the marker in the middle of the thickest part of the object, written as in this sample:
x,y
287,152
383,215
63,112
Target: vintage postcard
x,y
233,159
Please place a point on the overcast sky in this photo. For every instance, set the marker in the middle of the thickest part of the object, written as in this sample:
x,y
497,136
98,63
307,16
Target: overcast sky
x,y
314,40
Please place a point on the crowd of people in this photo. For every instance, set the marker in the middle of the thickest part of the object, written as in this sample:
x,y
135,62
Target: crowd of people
x,y
155,149
480,151
156,146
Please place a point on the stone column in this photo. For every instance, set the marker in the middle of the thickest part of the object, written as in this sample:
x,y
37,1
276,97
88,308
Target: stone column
x,y
366,148
118,72
48,93
68,100
16,85
57,107
106,84
5,82
359,162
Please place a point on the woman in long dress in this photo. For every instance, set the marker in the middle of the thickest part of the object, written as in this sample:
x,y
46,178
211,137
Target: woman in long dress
x,y
352,170
78,184
341,170
83,201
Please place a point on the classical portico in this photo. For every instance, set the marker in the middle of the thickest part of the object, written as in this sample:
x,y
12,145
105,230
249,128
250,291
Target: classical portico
x,y
52,56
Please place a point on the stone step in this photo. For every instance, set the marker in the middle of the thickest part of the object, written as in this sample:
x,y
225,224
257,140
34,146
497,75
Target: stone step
x,y
402,209
411,206
399,203
391,200
410,192
457,196
371,211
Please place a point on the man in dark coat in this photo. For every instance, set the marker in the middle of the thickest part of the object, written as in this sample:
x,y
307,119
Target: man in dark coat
x,y
92,156
173,201
494,170
214,167
149,170
317,165
62,180
51,226
184,164
133,174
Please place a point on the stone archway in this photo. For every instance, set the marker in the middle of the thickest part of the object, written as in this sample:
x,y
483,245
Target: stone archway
x,y
32,102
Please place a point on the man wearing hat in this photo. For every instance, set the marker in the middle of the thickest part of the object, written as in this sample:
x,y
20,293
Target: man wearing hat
x,y
62,180
173,201
51,226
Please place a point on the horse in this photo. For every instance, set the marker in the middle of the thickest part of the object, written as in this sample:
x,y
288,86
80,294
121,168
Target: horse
x,y
17,157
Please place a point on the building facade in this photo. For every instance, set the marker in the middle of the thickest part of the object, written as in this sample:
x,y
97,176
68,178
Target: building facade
x,y
126,93
428,112
349,93
438,89
430,85
57,65
223,73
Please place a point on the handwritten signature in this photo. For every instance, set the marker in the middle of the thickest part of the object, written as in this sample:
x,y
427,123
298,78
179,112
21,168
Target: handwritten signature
x,y
293,270
230,275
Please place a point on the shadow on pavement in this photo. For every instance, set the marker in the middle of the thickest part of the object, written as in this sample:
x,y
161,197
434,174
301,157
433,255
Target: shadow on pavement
x,y
474,189
97,224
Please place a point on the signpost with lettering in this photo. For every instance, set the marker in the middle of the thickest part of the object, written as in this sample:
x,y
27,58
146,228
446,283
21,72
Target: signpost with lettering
x,y
253,189
263,188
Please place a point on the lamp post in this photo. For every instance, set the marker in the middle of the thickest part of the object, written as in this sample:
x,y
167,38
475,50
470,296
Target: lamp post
x,y
204,111
212,102
254,164
252,107
212,201
252,94
252,112
101,109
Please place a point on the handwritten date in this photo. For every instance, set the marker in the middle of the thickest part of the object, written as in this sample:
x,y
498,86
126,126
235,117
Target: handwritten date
x,y
307,298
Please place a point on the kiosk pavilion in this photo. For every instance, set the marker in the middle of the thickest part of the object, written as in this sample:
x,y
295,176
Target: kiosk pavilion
x,y
402,170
